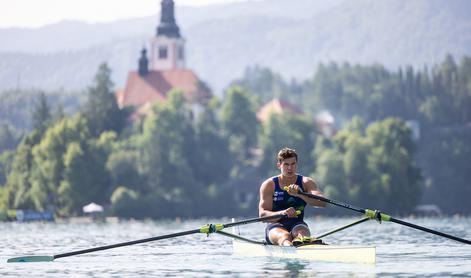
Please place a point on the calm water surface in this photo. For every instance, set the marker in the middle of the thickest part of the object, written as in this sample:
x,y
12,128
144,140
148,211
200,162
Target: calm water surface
x,y
401,251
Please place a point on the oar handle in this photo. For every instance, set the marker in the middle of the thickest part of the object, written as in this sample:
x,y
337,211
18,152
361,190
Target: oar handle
x,y
320,198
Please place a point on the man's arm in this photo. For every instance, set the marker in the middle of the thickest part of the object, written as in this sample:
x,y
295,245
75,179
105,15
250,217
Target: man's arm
x,y
266,202
310,186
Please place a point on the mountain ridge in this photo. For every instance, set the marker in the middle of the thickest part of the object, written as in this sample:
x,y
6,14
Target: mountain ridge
x,y
290,37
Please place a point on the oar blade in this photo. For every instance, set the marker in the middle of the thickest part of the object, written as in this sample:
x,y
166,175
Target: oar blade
x,y
31,259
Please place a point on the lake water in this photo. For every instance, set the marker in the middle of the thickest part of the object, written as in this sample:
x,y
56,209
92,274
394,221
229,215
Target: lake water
x,y
401,251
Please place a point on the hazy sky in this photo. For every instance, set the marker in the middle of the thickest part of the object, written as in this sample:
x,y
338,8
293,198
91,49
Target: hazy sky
x,y
36,13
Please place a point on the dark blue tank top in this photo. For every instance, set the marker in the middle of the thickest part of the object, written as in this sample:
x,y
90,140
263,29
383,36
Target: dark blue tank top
x,y
282,200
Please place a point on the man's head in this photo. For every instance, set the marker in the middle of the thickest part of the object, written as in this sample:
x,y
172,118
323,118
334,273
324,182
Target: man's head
x,y
286,153
287,162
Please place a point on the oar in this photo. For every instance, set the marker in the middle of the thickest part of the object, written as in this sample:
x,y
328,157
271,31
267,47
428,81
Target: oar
x,y
374,214
206,229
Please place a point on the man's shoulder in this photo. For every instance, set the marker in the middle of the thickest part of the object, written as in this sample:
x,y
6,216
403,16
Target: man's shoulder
x,y
268,183
307,179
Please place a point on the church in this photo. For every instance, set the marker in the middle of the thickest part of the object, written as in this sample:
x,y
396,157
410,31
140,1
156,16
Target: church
x,y
164,70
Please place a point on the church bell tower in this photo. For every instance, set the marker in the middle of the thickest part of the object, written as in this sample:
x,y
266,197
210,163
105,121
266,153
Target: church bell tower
x,y
167,48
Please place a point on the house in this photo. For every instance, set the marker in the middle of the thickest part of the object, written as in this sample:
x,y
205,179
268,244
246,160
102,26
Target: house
x,y
278,107
163,71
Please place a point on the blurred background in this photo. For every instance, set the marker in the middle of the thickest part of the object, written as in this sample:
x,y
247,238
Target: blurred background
x,y
163,109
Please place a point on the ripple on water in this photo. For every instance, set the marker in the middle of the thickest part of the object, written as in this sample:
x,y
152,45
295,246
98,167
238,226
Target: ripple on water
x,y
401,251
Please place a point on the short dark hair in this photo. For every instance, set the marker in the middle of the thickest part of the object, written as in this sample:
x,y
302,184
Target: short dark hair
x,y
286,153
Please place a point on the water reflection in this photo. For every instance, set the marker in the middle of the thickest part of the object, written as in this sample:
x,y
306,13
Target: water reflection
x,y
295,268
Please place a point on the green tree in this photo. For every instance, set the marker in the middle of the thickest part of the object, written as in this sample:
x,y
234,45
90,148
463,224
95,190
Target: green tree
x,y
375,168
167,153
7,138
213,158
41,116
17,192
240,122
287,131
85,178
101,108
6,160
330,174
396,178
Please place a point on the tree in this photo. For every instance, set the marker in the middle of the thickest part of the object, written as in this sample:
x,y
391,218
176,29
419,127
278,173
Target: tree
x,y
17,191
167,153
240,122
391,162
41,116
6,160
69,166
213,159
101,108
84,179
287,131
7,138
376,168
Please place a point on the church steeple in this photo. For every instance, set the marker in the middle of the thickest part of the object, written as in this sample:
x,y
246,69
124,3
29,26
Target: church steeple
x,y
168,26
143,63
167,48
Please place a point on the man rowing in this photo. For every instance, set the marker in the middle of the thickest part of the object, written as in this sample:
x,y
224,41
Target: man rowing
x,y
275,199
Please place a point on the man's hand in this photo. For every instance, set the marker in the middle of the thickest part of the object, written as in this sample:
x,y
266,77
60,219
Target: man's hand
x,y
290,212
293,190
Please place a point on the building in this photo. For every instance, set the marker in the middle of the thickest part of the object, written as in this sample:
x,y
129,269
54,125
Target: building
x,y
278,107
164,70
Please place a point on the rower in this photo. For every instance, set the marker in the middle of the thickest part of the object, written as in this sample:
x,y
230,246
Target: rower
x,y
275,199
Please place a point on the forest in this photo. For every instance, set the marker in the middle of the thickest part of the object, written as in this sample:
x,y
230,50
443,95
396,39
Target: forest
x,y
401,138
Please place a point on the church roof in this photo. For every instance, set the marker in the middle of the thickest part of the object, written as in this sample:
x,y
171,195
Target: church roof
x,y
154,86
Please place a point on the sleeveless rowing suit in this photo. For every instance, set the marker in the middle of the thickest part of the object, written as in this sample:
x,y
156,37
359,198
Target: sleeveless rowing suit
x,y
281,201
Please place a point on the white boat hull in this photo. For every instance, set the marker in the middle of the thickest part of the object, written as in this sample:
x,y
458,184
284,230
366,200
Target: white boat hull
x,y
331,253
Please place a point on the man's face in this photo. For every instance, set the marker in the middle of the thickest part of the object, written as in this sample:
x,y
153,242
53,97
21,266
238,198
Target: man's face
x,y
288,167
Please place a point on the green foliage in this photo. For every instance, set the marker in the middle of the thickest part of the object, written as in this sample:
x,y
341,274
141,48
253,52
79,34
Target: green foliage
x,y
17,106
64,169
374,93
287,131
6,161
8,140
101,108
85,178
122,166
376,168
17,189
178,162
213,160
239,122
167,152
125,203
41,117
446,156
266,84
49,154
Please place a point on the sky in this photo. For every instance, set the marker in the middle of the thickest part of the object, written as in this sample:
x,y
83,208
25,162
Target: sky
x,y
37,13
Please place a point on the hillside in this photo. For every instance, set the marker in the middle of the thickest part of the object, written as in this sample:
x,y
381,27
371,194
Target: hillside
x,y
291,37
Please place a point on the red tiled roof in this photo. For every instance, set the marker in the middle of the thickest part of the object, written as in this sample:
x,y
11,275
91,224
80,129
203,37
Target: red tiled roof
x,y
155,85
277,106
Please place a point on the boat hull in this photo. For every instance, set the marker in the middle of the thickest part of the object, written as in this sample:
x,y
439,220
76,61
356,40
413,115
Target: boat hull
x,y
331,253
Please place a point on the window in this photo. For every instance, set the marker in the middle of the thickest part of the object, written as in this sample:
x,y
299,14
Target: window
x,y
163,52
